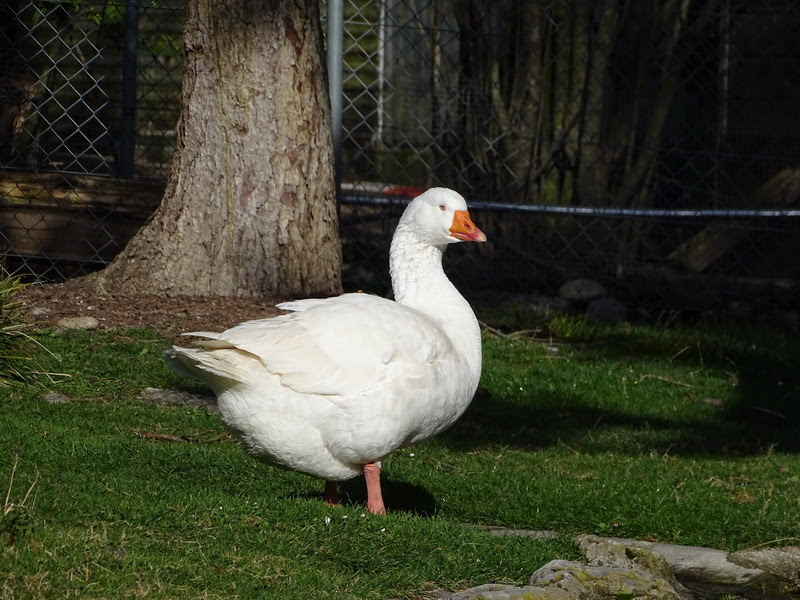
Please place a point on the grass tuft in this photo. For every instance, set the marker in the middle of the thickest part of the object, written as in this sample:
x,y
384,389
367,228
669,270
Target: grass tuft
x,y
16,517
17,347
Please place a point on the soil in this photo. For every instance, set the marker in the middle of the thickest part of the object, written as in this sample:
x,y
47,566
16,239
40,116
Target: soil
x,y
47,304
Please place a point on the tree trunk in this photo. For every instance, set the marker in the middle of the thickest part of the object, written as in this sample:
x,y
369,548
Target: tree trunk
x,y
249,208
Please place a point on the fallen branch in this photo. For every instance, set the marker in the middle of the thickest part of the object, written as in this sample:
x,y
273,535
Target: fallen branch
x,y
161,437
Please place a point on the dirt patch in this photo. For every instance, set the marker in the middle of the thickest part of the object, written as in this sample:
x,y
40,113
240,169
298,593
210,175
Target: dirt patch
x,y
47,304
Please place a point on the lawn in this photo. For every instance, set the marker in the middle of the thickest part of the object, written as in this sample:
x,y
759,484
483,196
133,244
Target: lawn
x,y
683,434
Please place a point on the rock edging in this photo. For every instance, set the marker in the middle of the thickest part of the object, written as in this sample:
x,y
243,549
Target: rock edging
x,y
634,569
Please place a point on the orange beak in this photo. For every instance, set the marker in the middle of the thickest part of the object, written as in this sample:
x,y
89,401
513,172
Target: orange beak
x,y
464,229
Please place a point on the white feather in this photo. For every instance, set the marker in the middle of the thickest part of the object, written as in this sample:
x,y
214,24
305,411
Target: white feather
x,y
344,381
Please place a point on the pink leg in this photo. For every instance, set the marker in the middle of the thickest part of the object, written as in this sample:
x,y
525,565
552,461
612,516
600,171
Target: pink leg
x,y
331,494
372,473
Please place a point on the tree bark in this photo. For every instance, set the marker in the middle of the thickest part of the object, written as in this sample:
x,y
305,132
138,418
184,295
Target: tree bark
x,y
249,209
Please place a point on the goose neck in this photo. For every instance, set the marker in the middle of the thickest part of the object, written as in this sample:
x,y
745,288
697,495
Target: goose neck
x,y
416,270
419,282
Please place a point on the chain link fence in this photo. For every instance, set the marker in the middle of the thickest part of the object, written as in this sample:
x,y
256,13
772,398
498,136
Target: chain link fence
x,y
651,146
89,101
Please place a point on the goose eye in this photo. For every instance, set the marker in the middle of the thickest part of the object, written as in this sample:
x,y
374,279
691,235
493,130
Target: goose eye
x,y
442,207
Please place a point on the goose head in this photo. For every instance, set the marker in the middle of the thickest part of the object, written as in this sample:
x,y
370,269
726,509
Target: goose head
x,y
439,217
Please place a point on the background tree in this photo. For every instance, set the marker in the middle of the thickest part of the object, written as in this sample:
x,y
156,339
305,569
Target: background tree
x,y
249,208
576,98
577,94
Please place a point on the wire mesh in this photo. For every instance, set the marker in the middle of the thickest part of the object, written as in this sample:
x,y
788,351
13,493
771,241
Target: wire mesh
x,y
651,146
78,111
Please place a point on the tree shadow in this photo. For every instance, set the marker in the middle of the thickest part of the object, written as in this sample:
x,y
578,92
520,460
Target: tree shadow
x,y
764,409
762,413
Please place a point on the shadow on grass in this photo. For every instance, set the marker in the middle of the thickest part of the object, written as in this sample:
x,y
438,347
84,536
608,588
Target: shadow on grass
x,y
764,409
762,412
398,496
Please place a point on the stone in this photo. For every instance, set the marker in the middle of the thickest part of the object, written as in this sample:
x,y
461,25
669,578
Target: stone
x,y
581,290
781,562
488,591
610,310
164,397
715,402
704,572
625,568
539,534
615,573
740,309
78,323
495,591
438,594
791,316
617,552
547,307
598,582
55,398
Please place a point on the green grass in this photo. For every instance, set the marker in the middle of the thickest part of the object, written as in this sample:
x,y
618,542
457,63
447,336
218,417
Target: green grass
x,y
678,435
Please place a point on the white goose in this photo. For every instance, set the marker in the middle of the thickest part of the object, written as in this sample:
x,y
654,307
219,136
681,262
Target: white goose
x,y
338,384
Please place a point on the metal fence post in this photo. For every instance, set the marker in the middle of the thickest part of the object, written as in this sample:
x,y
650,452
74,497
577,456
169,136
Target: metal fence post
x,y
335,57
127,144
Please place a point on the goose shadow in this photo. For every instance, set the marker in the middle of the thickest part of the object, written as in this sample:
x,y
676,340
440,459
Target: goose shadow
x,y
398,496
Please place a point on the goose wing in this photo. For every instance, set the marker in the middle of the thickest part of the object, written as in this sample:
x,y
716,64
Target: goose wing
x,y
340,346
